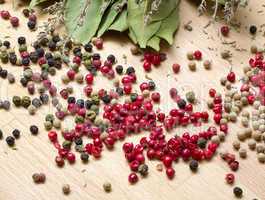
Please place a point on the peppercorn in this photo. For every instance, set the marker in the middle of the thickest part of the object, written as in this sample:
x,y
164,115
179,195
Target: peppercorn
x,y
78,141
230,178
190,96
67,144
190,55
130,70
1,134
25,101
236,145
34,129
80,103
106,99
6,44
71,100
10,140
84,157
243,153
13,58
31,24
107,187
119,69
207,64
21,40
238,192
66,189
181,103
151,85
26,12
3,73
16,133
192,66
39,177
143,169
44,98
194,165
119,90
88,47
48,125
202,143
261,157
57,123
252,29
6,105
252,144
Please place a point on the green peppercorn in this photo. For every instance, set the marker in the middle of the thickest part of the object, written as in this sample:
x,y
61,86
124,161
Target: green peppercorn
x,y
50,118
22,48
90,114
95,108
26,101
79,119
190,96
238,192
107,186
202,143
194,165
84,157
57,123
143,169
32,110
133,97
67,144
17,101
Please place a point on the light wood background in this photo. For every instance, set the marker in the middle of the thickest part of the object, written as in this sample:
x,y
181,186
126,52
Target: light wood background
x,y
36,154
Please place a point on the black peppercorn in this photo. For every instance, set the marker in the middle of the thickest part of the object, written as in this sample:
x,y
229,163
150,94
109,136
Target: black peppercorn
x,y
3,73
88,47
31,24
56,38
181,103
33,56
71,100
96,56
84,157
12,58
16,133
78,141
111,58
23,81
68,44
80,103
143,169
1,134
16,101
253,29
152,85
119,69
40,51
48,55
76,49
51,62
130,70
194,165
10,140
44,41
21,40
44,98
238,192
88,104
36,45
26,12
52,45
34,129
25,61
119,90
106,99
202,143
6,44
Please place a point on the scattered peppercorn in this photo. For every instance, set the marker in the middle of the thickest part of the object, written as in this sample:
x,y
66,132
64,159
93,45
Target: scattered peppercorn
x,y
34,129
10,140
16,133
252,29
238,192
194,165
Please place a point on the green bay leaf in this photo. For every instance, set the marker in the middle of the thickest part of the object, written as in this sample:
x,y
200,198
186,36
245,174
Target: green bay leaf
x,y
120,23
109,18
136,22
169,26
154,43
90,11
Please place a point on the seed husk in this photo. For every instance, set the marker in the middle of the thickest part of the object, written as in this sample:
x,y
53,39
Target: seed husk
x,y
66,189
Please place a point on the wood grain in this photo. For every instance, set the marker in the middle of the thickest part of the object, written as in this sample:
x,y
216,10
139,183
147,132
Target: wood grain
x,y
36,154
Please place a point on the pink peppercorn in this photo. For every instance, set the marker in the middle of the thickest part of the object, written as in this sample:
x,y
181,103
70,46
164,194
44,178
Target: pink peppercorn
x,y
147,66
234,165
197,55
231,77
155,97
156,59
212,92
14,21
64,93
99,43
167,160
59,161
52,136
127,89
134,165
5,14
144,86
170,172
89,78
71,74
70,157
230,178
77,60
224,30
176,68
32,17
133,178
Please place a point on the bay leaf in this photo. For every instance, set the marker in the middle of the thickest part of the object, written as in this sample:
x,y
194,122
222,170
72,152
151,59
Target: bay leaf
x,y
132,36
34,3
136,22
120,23
109,18
169,26
82,18
154,43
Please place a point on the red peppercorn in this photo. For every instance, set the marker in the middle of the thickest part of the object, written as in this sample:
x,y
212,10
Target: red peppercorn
x,y
89,78
99,43
77,60
71,74
127,147
230,178
70,157
134,165
225,30
127,88
208,154
212,92
155,97
133,178
231,77
150,154
147,66
156,59
176,68
5,14
161,117
33,17
167,160
52,136
14,21
140,158
144,86
229,158
170,172
197,55
217,118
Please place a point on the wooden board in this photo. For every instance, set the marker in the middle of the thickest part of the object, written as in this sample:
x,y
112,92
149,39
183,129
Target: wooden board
x,y
36,154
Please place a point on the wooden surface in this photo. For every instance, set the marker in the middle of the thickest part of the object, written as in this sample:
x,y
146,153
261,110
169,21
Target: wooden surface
x,y
36,154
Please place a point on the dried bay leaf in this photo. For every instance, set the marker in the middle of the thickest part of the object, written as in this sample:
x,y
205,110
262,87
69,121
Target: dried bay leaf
x,y
34,3
154,43
120,23
142,31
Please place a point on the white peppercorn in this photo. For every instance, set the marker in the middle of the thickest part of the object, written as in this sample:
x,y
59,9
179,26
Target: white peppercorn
x,y
256,136
255,125
241,135
248,132
244,121
260,148
221,136
215,139
233,116
262,128
256,104
261,157
32,110
242,153
245,114
252,144
236,144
